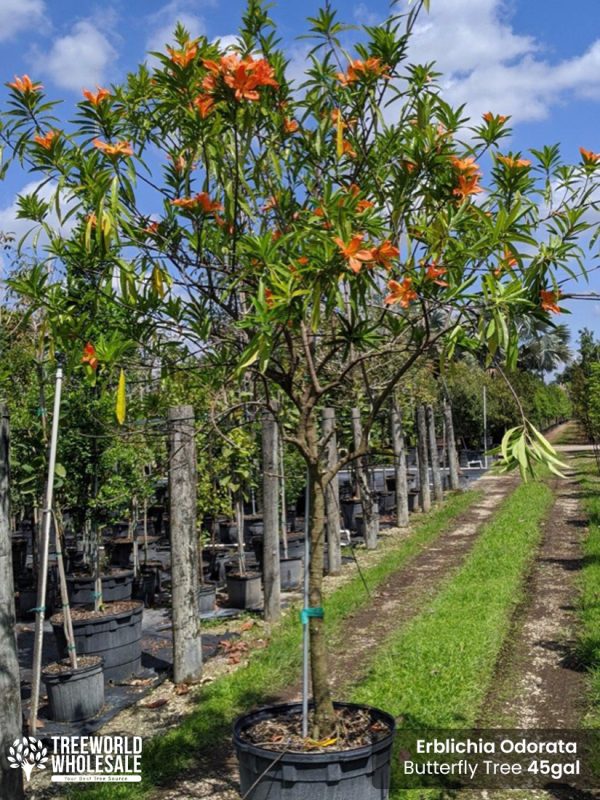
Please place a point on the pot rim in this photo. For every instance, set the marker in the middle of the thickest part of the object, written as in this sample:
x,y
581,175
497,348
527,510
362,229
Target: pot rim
x,y
106,617
66,674
245,720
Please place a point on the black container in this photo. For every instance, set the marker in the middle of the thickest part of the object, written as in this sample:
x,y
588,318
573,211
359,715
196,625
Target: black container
x,y
116,637
19,555
350,508
360,774
207,598
146,586
76,694
295,548
120,554
244,591
290,571
227,532
114,588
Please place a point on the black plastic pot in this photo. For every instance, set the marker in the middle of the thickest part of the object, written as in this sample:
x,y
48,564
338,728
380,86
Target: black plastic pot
x,y
116,637
290,570
19,555
146,586
350,508
207,597
244,591
295,548
114,588
227,532
360,774
76,694
120,554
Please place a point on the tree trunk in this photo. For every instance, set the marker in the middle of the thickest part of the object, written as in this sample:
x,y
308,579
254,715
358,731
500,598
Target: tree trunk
x,y
453,468
271,567
438,491
324,721
187,643
332,496
11,780
399,467
424,493
370,512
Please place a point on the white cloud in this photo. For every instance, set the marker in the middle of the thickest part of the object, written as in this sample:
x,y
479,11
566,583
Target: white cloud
x,y
490,66
20,15
162,23
80,58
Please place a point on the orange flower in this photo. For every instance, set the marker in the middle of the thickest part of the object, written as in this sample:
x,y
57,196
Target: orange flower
x,y
402,293
434,274
359,69
549,301
91,219
117,149
89,356
98,97
467,166
184,56
290,125
201,201
47,140
244,76
363,205
152,228
409,166
467,185
514,163
25,85
385,253
269,299
353,251
489,117
348,150
589,156
508,262
205,104
270,204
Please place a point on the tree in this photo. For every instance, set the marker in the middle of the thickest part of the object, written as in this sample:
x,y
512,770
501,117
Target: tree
x,y
305,240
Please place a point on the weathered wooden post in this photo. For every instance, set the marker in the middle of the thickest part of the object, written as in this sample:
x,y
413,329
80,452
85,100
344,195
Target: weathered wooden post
x,y
451,446
11,780
370,513
187,642
271,478
424,492
438,490
332,495
402,513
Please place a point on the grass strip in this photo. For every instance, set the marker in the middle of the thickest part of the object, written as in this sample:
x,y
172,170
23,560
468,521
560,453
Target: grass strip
x,y
437,670
200,734
588,648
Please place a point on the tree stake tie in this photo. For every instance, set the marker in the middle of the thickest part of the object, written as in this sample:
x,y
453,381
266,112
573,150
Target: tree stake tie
x,y
315,613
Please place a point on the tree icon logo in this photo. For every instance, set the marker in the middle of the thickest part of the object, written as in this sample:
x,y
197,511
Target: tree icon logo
x,y
27,753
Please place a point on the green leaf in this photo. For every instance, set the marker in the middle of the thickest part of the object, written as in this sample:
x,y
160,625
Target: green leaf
x,y
121,405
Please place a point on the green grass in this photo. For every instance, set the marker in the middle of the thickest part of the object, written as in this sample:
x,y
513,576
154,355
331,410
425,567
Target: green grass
x,y
269,671
437,671
588,650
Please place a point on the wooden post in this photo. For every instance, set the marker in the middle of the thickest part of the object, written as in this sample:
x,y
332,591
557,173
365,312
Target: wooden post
x,y
370,513
11,780
332,495
438,490
271,566
399,466
187,643
424,492
451,445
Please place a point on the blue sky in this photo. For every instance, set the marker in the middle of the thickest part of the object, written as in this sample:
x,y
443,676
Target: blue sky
x,y
536,60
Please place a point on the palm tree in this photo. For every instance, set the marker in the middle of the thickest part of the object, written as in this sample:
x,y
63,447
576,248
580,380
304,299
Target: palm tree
x,y
544,347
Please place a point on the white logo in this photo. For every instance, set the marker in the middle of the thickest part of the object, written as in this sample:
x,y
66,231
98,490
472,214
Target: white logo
x,y
27,753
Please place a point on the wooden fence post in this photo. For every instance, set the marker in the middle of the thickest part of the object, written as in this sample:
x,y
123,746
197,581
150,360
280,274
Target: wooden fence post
x,y
11,780
187,642
370,513
402,513
332,495
271,479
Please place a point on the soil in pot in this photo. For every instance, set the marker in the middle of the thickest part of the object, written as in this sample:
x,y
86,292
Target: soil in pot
x,y
115,633
117,585
275,760
244,591
74,694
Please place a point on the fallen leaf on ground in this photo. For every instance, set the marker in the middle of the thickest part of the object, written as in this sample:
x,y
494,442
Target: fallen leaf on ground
x,y
162,701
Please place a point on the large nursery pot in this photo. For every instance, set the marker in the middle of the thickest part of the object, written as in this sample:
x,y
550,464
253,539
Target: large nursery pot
x,y
74,694
244,591
207,598
295,548
115,633
290,572
359,774
116,585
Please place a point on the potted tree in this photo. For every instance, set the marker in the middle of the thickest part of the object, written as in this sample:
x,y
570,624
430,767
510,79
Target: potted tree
x,y
321,243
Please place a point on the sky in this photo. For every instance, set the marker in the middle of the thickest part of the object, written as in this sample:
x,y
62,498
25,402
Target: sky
x,y
536,60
